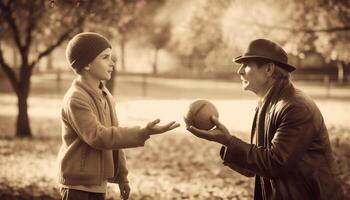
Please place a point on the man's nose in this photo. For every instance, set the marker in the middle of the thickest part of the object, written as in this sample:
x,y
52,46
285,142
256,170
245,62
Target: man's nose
x,y
240,70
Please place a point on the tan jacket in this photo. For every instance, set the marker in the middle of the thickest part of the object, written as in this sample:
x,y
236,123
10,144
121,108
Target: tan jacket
x,y
292,158
90,151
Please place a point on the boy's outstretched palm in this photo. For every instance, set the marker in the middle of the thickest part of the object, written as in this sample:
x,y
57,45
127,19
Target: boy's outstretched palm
x,y
152,128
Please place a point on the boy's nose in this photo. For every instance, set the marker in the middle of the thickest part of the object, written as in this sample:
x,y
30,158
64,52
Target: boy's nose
x,y
112,64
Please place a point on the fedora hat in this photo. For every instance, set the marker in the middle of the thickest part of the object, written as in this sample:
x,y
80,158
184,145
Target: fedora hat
x,y
266,50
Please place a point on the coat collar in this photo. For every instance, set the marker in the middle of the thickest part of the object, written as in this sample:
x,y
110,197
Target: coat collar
x,y
96,95
279,88
92,91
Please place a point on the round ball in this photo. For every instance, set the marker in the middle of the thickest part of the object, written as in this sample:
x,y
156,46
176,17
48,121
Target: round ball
x,y
199,113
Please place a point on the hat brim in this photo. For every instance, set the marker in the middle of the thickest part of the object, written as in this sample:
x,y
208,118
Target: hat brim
x,y
241,59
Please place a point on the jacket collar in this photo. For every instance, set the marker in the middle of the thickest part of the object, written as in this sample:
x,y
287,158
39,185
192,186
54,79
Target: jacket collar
x,y
91,90
95,95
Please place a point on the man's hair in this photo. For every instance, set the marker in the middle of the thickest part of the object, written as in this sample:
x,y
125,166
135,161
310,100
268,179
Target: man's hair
x,y
278,73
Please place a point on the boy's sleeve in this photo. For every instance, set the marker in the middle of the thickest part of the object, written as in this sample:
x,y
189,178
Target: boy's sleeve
x,y
85,123
121,170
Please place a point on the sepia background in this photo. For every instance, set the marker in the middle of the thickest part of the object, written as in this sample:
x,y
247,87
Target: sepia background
x,y
169,53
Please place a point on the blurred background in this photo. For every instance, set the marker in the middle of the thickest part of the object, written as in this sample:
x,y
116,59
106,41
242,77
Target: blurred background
x,y
168,53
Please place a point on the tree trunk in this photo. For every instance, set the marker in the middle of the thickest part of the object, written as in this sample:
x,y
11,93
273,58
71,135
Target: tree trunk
x,y
155,62
340,73
49,64
15,57
23,126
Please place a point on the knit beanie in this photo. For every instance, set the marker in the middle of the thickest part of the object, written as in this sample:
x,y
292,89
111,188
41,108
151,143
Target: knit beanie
x,y
83,48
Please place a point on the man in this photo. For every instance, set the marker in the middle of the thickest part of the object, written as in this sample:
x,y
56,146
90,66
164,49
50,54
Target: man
x,y
290,153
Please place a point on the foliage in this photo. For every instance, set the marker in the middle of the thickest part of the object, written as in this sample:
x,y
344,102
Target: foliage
x,y
198,33
300,26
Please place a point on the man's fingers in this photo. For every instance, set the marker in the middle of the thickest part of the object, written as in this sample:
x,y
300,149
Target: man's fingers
x,y
218,124
200,133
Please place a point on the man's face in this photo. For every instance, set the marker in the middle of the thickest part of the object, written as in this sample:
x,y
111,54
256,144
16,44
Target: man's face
x,y
102,66
253,78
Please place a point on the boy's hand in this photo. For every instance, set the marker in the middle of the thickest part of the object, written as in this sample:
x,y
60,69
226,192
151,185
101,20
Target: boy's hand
x,y
124,189
220,134
153,128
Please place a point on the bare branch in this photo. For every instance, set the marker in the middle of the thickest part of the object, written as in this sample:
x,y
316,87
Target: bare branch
x,y
305,30
59,41
63,37
11,21
9,72
31,25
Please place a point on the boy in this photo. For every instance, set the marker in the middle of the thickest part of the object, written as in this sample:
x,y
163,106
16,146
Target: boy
x,y
92,140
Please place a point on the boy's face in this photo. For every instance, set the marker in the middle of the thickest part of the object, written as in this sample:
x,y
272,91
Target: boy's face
x,y
102,66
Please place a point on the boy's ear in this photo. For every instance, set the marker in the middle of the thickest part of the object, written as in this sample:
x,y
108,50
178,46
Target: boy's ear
x,y
87,68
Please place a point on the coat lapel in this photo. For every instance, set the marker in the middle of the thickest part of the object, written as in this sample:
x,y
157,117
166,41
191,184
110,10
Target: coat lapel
x,y
263,115
252,133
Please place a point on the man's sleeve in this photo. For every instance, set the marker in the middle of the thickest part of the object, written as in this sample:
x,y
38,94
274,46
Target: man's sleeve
x,y
291,140
232,165
86,125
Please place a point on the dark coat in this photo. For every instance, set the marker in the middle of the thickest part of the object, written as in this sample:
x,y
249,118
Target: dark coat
x,y
292,156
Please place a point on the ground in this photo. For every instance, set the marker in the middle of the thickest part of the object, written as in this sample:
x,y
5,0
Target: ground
x,y
175,165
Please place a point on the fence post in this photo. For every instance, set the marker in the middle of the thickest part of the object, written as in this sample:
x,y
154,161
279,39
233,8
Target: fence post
x,y
144,84
327,83
58,79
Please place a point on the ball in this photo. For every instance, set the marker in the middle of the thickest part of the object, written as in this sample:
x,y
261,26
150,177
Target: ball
x,y
199,113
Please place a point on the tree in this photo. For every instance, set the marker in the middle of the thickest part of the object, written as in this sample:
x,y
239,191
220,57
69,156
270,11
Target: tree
x,y
131,21
46,24
159,38
198,33
121,24
300,26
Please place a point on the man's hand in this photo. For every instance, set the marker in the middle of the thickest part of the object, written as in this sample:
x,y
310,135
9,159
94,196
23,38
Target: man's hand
x,y
153,128
220,134
124,189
